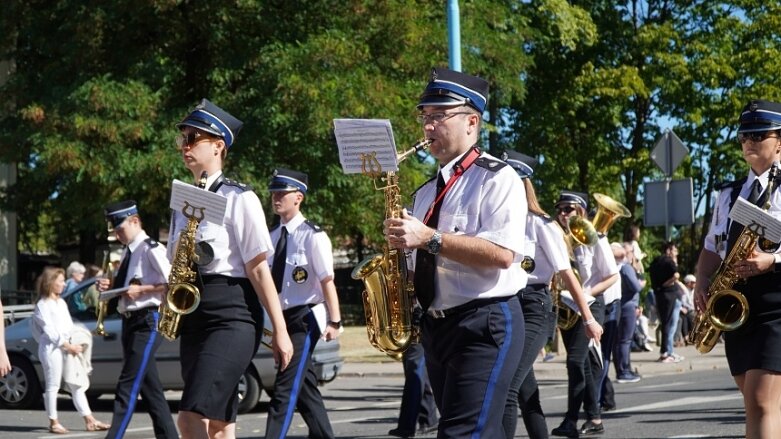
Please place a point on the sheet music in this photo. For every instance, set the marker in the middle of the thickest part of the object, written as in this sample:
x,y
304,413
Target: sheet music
x,y
566,297
758,220
365,144
194,200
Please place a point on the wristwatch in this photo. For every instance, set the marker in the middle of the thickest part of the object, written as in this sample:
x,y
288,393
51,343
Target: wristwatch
x,y
434,245
335,325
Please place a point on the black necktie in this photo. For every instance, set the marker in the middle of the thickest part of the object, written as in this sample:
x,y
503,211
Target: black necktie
x,y
425,263
756,192
119,280
280,256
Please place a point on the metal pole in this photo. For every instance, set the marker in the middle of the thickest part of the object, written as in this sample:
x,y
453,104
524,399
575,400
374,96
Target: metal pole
x,y
454,35
669,146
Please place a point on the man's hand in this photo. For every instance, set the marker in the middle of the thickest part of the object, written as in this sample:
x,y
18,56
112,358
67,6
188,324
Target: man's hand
x,y
330,333
701,294
103,284
406,232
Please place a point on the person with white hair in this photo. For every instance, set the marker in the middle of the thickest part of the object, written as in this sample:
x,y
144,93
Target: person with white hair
x,y
75,274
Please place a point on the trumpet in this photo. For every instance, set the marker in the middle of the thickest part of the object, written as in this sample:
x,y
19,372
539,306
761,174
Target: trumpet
x,y
101,310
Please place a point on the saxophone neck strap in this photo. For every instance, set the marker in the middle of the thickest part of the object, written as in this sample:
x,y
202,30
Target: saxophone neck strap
x,y
458,170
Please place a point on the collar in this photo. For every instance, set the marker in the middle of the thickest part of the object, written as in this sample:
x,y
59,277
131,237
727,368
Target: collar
x,y
293,223
141,236
212,178
447,169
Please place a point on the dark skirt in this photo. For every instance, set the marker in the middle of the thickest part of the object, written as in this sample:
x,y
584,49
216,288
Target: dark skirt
x,y
755,345
218,341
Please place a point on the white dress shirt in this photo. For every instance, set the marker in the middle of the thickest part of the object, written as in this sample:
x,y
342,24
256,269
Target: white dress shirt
x,y
545,243
309,261
487,203
148,265
241,238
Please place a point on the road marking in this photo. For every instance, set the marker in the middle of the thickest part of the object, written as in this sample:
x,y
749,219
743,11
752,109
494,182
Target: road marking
x,y
691,400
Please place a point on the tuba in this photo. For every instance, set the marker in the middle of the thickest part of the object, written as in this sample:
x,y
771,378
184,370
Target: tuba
x,y
387,299
727,309
182,296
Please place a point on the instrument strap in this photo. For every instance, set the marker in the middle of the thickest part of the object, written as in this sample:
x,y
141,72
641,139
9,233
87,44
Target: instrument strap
x,y
458,170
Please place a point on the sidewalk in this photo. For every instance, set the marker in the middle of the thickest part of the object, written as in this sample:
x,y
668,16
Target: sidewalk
x,y
361,359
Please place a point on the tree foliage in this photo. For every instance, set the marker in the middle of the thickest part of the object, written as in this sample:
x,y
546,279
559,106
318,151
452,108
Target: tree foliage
x,y
96,89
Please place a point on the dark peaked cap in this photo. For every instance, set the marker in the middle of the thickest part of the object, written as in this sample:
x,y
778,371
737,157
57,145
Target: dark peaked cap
x,y
759,115
213,120
286,180
523,164
448,88
117,212
572,197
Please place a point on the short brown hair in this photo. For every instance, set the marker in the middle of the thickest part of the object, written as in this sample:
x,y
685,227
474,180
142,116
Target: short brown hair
x,y
45,282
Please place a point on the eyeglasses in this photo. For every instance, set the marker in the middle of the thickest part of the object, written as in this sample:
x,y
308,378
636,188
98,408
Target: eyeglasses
x,y
756,136
437,118
566,209
190,139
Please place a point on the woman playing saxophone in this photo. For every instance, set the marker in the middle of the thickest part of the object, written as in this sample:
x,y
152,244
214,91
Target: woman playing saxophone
x,y
752,349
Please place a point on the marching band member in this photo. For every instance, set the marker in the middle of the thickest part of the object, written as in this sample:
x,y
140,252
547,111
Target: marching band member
x,y
144,269
467,236
599,273
219,339
545,245
303,272
752,350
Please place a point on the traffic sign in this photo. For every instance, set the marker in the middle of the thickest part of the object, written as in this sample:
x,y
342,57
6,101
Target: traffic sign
x,y
669,152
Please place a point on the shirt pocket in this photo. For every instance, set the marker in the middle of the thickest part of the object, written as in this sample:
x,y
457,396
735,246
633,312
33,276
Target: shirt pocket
x,y
458,223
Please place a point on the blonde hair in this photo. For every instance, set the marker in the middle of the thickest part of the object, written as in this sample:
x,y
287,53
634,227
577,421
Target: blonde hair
x,y
531,199
45,283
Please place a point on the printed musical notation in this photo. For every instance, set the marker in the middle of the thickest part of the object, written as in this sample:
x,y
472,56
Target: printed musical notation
x,y
758,220
195,200
365,145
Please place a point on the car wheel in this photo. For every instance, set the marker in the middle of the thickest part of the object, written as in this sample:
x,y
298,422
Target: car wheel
x,y
249,390
20,389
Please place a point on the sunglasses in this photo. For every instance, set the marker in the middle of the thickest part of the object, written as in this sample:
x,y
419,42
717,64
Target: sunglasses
x,y
756,136
566,209
190,139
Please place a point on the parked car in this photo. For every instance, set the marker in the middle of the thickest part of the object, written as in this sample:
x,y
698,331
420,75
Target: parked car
x,y
22,387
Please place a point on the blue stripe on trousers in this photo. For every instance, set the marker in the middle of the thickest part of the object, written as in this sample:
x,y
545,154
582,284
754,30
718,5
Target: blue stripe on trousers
x,y
508,330
291,407
139,378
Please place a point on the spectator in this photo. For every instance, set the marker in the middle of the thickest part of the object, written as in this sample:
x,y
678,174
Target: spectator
x,y
75,274
52,328
630,301
686,318
631,237
663,270
89,298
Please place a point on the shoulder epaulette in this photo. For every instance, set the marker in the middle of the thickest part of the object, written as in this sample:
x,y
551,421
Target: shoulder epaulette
x,y
151,242
314,226
730,184
234,183
427,181
490,163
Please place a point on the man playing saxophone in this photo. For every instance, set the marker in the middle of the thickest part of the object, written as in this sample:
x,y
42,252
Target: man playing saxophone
x,y
467,239
144,269
752,350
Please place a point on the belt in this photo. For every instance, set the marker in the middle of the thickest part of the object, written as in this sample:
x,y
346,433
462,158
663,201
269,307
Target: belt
x,y
537,287
139,312
472,304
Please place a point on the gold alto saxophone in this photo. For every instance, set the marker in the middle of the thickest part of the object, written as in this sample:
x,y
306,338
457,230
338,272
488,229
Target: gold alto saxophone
x,y
727,309
387,300
182,296
101,309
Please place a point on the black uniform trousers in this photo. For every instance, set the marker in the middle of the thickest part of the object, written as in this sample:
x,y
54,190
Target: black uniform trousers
x,y
539,322
417,400
140,341
471,357
296,386
582,373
